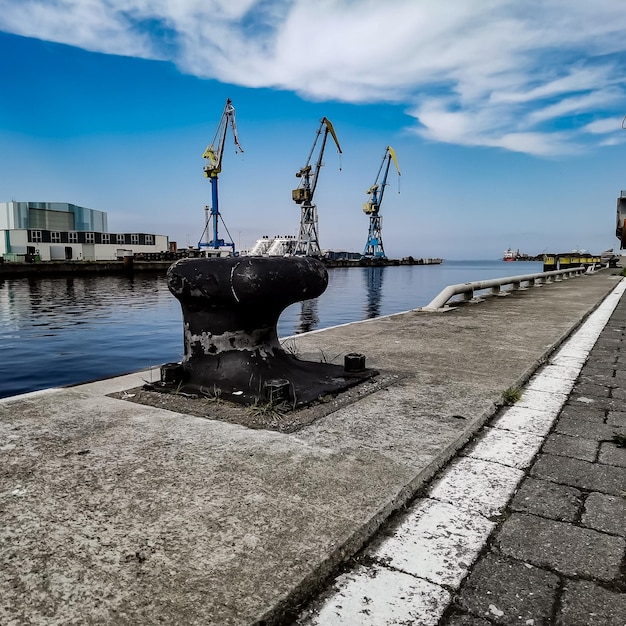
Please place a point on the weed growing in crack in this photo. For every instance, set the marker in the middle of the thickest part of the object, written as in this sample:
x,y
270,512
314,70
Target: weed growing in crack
x,y
511,395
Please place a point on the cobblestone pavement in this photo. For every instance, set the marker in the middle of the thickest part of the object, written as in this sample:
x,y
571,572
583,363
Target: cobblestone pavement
x,y
558,553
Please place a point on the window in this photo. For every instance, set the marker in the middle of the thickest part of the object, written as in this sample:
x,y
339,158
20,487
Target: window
x,y
134,239
106,238
90,238
72,237
149,240
35,236
55,236
120,238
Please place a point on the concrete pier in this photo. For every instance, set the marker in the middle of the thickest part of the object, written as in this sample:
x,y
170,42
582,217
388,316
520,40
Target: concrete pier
x,y
113,512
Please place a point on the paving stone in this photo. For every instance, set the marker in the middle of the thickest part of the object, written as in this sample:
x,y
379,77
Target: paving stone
x,y
586,604
463,619
581,474
619,393
550,384
616,418
575,447
594,370
527,420
436,541
605,513
599,376
620,375
561,371
608,342
540,400
592,389
611,404
583,412
547,499
583,428
514,449
602,358
380,597
561,547
568,359
610,454
476,486
508,592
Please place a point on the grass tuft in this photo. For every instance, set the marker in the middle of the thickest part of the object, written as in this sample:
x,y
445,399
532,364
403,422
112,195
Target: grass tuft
x,y
511,395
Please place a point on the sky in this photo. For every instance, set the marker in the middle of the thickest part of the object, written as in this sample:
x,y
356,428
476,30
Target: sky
x,y
505,116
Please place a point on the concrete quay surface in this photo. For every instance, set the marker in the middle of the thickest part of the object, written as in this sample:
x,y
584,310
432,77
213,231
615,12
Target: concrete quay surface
x,y
112,512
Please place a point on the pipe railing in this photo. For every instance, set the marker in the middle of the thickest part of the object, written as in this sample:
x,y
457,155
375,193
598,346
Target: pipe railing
x,y
495,285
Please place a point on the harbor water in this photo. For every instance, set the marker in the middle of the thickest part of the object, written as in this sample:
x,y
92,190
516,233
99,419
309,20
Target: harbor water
x,y
64,331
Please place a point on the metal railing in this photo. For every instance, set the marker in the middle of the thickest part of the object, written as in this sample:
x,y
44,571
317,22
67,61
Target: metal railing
x,y
494,285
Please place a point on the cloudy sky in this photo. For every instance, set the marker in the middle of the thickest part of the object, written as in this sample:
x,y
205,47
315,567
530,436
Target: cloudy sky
x,y
506,116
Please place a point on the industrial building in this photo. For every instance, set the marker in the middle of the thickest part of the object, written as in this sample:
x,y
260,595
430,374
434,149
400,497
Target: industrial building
x,y
59,231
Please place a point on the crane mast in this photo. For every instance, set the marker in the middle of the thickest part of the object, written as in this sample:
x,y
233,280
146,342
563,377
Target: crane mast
x,y
374,246
308,240
213,166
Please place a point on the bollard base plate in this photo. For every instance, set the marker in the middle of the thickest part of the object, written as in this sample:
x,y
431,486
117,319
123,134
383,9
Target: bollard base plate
x,y
285,419
242,382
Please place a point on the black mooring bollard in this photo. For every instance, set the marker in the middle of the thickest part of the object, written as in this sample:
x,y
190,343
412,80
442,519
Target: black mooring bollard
x,y
230,310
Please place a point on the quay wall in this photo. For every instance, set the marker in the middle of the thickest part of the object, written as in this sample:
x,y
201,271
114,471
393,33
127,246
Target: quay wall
x,y
65,268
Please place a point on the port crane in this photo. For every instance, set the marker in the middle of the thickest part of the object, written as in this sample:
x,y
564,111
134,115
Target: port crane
x,y
374,246
213,166
308,243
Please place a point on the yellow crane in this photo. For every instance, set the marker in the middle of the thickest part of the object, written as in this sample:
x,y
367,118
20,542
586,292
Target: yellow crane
x,y
374,246
308,240
213,155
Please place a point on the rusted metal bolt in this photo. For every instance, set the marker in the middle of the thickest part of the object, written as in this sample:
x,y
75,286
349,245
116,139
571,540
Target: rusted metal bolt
x,y
354,362
171,373
277,391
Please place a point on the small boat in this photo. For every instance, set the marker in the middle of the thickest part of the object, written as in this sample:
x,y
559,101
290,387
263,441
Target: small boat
x,y
510,255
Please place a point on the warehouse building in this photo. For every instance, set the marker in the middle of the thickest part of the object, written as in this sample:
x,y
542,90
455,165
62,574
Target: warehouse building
x,y
57,231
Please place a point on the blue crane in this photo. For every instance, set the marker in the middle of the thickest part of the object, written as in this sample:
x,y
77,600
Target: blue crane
x,y
213,155
374,246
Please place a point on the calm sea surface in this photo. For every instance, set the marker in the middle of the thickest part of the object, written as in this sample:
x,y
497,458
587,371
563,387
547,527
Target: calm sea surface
x,y
61,331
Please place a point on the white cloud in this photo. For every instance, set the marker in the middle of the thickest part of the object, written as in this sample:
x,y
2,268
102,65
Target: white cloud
x,y
605,126
500,73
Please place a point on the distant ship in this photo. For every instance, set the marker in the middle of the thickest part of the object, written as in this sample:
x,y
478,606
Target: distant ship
x,y
516,255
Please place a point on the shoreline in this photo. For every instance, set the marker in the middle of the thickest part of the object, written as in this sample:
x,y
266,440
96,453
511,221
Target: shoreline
x,y
69,268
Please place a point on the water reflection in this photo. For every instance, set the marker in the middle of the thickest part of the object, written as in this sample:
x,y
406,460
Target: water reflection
x,y
374,286
309,316
56,331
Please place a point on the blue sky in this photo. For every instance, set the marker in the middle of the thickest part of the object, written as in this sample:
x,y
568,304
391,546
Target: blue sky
x,y
505,116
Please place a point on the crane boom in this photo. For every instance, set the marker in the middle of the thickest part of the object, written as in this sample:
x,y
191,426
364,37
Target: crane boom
x,y
215,149
213,166
374,246
308,240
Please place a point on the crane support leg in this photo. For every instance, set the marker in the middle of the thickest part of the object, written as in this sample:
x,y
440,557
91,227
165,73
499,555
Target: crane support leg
x,y
374,246
308,240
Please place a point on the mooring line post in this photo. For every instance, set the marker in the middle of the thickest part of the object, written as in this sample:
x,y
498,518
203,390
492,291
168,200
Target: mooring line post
x,y
231,307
